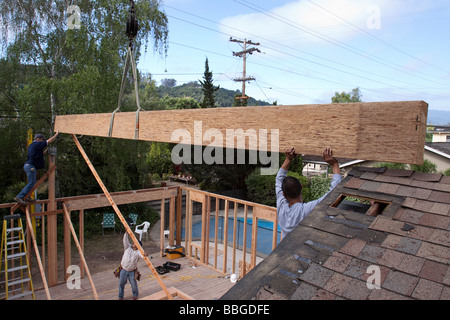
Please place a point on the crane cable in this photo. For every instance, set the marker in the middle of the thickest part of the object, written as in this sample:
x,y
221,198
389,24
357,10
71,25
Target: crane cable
x,y
132,28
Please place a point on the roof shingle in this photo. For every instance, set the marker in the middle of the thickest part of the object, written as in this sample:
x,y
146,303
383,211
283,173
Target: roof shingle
x,y
409,242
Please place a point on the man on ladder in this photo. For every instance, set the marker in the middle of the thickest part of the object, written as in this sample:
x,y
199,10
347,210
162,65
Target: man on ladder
x,y
34,162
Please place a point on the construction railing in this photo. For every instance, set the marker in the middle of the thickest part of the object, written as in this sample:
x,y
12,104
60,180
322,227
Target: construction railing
x,y
220,231
217,231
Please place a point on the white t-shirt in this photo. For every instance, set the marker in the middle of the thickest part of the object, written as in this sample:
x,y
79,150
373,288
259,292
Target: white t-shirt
x,y
290,216
130,257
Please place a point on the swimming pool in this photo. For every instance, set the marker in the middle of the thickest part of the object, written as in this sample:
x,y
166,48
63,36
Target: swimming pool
x,y
265,233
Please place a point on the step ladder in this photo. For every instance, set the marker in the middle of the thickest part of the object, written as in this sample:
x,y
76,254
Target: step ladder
x,y
15,267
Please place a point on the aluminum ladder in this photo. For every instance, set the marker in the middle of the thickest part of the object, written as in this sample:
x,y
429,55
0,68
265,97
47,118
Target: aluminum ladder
x,y
15,267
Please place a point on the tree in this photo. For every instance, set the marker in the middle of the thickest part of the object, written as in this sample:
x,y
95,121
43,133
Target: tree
x,y
426,167
239,102
208,88
51,69
41,37
344,97
168,83
159,159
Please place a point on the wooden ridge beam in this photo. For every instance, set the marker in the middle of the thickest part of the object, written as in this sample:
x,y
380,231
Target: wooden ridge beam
x,y
378,131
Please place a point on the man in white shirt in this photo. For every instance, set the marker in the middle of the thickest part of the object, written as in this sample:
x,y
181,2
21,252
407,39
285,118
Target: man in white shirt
x,y
129,264
290,207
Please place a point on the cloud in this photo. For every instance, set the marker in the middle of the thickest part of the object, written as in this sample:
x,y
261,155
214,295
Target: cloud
x,y
303,21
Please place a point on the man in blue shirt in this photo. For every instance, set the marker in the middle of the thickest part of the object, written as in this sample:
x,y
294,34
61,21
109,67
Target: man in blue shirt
x,y
34,162
290,207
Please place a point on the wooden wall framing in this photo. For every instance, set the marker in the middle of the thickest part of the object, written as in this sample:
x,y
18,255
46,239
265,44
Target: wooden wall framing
x,y
201,252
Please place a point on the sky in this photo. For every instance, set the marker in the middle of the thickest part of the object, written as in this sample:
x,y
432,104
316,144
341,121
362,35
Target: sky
x,y
392,50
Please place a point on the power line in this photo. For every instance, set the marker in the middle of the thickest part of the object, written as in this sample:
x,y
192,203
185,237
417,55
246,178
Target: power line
x,y
375,37
290,71
328,39
263,92
292,48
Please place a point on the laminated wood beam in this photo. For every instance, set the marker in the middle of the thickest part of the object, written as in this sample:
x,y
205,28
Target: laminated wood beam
x,y
379,131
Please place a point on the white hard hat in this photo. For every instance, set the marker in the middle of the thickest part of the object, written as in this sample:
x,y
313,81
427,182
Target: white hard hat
x,y
233,278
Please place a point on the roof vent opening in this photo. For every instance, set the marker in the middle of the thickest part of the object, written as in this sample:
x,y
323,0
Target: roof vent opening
x,y
370,207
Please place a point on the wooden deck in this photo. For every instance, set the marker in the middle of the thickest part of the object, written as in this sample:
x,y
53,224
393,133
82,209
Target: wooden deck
x,y
199,282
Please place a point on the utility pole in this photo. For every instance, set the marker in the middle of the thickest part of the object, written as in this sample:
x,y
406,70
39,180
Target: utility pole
x,y
243,54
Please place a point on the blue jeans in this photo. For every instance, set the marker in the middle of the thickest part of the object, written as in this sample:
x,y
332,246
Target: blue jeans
x,y
31,176
124,275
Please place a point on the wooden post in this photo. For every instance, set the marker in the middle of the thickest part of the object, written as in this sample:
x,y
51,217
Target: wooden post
x,y
80,251
43,245
225,237
67,245
28,239
186,225
162,221
188,230
275,232
244,241
121,218
208,209
234,236
81,231
203,233
254,239
52,238
36,250
171,221
179,215
216,231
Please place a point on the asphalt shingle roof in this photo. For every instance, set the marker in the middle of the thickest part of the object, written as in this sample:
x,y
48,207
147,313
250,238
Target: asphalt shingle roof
x,y
333,252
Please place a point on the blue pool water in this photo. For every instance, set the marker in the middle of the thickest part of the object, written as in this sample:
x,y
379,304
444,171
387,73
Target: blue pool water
x,y
265,233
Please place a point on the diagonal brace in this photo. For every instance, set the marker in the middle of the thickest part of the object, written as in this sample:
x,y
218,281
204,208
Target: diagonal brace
x,y
122,219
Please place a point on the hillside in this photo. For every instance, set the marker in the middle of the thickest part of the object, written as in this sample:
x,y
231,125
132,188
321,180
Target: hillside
x,y
223,97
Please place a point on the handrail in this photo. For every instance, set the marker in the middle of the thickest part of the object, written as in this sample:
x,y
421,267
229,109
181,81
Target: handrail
x,y
201,253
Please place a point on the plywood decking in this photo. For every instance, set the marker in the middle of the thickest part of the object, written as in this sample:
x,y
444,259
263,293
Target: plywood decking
x,y
379,131
200,283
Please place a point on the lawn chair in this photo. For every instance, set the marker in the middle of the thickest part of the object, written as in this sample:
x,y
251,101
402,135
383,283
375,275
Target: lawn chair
x,y
143,229
108,222
133,217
